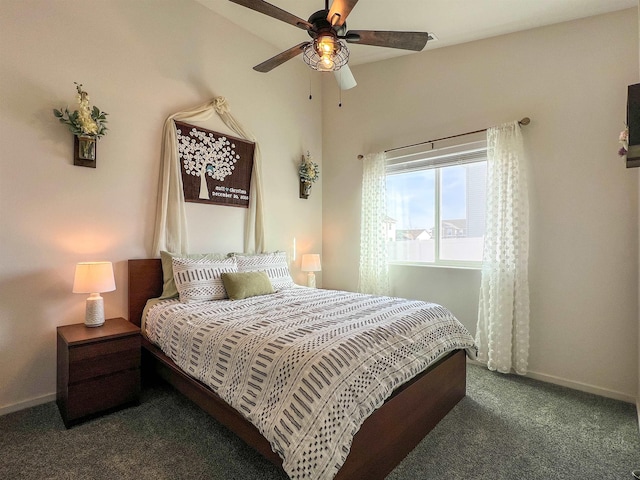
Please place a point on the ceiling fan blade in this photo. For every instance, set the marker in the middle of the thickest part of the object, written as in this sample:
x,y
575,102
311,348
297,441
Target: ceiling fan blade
x,y
339,11
345,78
404,40
279,59
275,12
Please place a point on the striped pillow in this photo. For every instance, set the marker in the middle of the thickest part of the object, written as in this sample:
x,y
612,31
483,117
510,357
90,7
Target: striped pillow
x,y
199,280
275,265
169,289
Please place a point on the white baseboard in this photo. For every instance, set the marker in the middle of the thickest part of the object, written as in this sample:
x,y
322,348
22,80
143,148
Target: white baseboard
x,y
583,387
27,404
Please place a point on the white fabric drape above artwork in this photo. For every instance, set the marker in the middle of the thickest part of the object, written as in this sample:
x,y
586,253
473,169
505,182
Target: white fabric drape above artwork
x,y
502,333
171,220
374,271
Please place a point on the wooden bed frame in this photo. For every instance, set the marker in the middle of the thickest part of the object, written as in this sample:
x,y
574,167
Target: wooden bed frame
x,y
384,439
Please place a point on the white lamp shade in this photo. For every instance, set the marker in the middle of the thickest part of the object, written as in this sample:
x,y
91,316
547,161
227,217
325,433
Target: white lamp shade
x,y
94,277
310,262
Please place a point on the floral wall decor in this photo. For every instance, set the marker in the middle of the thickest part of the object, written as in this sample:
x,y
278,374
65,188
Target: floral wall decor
x,y
216,168
309,172
624,140
87,125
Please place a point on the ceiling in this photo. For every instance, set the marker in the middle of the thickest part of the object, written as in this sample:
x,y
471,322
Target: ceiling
x,y
451,21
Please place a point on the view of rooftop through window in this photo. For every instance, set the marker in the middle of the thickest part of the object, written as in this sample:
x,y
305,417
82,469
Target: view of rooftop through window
x,y
437,214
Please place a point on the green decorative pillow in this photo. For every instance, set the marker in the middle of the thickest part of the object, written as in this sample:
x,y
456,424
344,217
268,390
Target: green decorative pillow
x,y
169,289
246,284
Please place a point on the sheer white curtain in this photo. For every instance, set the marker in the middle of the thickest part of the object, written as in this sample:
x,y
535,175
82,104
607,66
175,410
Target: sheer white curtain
x,y
374,271
254,219
171,218
503,315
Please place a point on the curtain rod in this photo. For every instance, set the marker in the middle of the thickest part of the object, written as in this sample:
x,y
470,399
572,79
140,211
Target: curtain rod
x,y
524,121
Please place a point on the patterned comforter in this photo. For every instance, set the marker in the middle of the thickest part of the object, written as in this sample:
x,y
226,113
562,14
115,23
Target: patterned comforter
x,y
306,366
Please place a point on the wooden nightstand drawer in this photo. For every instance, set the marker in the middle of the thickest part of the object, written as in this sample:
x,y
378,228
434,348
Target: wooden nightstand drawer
x,y
90,361
108,347
103,393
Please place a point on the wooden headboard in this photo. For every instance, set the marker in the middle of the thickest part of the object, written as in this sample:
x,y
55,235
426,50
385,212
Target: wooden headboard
x,y
145,282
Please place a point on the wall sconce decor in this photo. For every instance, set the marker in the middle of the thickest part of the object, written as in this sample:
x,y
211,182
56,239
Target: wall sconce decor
x,y
311,263
87,125
94,278
309,172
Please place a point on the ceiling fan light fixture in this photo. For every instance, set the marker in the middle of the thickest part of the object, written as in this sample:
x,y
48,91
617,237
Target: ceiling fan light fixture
x,y
326,59
326,64
326,44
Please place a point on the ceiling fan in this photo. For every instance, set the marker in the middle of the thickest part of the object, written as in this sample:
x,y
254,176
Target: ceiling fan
x,y
327,51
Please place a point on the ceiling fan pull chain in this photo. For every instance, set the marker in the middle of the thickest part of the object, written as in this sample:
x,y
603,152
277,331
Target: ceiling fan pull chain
x,y
310,96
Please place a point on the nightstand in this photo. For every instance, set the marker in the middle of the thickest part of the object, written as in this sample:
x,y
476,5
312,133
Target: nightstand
x,y
98,369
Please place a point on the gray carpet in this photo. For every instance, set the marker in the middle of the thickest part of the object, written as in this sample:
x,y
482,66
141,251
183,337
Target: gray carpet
x,y
507,427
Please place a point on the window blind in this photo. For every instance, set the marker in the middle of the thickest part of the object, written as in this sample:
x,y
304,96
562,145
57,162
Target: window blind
x,y
436,158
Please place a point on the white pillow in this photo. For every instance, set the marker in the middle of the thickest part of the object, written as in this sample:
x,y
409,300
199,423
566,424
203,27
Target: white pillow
x,y
274,264
169,289
199,280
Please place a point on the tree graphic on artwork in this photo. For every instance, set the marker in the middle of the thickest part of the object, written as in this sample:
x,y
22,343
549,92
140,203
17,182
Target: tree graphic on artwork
x,y
202,154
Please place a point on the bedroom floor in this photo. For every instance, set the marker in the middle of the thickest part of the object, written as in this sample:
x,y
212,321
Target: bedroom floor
x,y
507,427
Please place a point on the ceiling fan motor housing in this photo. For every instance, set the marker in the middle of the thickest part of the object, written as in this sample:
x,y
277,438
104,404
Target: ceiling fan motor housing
x,y
321,24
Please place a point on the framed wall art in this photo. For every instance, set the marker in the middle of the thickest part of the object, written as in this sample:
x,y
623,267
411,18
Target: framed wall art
x,y
633,125
216,168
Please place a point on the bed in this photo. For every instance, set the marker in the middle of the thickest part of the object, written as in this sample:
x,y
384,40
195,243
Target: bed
x,y
381,442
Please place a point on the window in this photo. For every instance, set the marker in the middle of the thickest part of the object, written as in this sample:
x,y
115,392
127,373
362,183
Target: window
x,y
436,206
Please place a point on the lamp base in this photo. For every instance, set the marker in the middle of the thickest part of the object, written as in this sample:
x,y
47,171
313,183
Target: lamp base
x,y
94,315
311,280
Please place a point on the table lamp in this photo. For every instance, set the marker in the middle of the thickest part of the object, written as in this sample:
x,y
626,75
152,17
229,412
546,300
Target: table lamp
x,y
311,263
94,278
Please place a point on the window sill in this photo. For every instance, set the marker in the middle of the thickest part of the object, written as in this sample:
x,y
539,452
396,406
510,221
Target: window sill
x,y
435,265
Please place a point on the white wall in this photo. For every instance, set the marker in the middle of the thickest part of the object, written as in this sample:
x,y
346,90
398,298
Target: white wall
x,y
571,80
140,61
